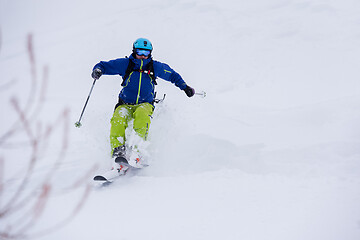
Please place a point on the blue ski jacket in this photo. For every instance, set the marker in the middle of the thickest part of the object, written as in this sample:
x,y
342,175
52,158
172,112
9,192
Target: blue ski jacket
x,y
139,87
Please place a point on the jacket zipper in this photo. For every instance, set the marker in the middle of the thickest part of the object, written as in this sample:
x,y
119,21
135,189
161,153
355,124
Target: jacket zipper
x,y
138,96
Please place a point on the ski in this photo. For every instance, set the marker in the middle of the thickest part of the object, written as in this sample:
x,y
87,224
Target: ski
x,y
123,167
117,171
133,163
109,176
122,161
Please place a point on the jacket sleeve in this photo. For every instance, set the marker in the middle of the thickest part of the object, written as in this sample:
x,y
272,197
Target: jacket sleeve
x,y
113,67
164,71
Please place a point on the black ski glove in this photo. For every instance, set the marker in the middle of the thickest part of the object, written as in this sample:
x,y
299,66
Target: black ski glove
x,y
96,74
189,91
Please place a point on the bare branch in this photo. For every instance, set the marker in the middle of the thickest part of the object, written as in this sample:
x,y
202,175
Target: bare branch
x,y
26,205
7,85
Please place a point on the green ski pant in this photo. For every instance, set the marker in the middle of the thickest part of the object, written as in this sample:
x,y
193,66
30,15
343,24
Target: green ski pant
x,y
141,114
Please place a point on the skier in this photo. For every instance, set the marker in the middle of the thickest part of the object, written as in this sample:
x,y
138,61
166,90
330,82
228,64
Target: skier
x,y
136,99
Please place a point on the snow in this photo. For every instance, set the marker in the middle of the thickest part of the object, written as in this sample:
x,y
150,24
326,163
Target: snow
x,y
272,152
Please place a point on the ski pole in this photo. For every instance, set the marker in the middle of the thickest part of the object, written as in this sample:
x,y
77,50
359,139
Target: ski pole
x,y
78,123
201,94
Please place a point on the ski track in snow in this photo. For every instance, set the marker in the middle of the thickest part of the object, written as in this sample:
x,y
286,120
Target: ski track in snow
x,y
272,152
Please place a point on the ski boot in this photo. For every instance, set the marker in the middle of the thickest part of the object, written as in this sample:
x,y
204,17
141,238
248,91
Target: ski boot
x,y
136,159
119,152
120,162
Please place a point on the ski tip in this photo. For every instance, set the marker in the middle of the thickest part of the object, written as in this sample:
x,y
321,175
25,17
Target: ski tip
x,y
121,160
100,178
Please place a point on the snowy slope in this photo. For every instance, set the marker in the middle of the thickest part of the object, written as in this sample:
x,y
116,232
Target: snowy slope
x,y
272,152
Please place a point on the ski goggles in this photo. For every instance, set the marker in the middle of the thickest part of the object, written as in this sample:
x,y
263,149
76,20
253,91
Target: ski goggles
x,y
142,52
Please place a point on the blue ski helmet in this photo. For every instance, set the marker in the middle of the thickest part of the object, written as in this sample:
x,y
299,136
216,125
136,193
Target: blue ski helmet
x,y
142,43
